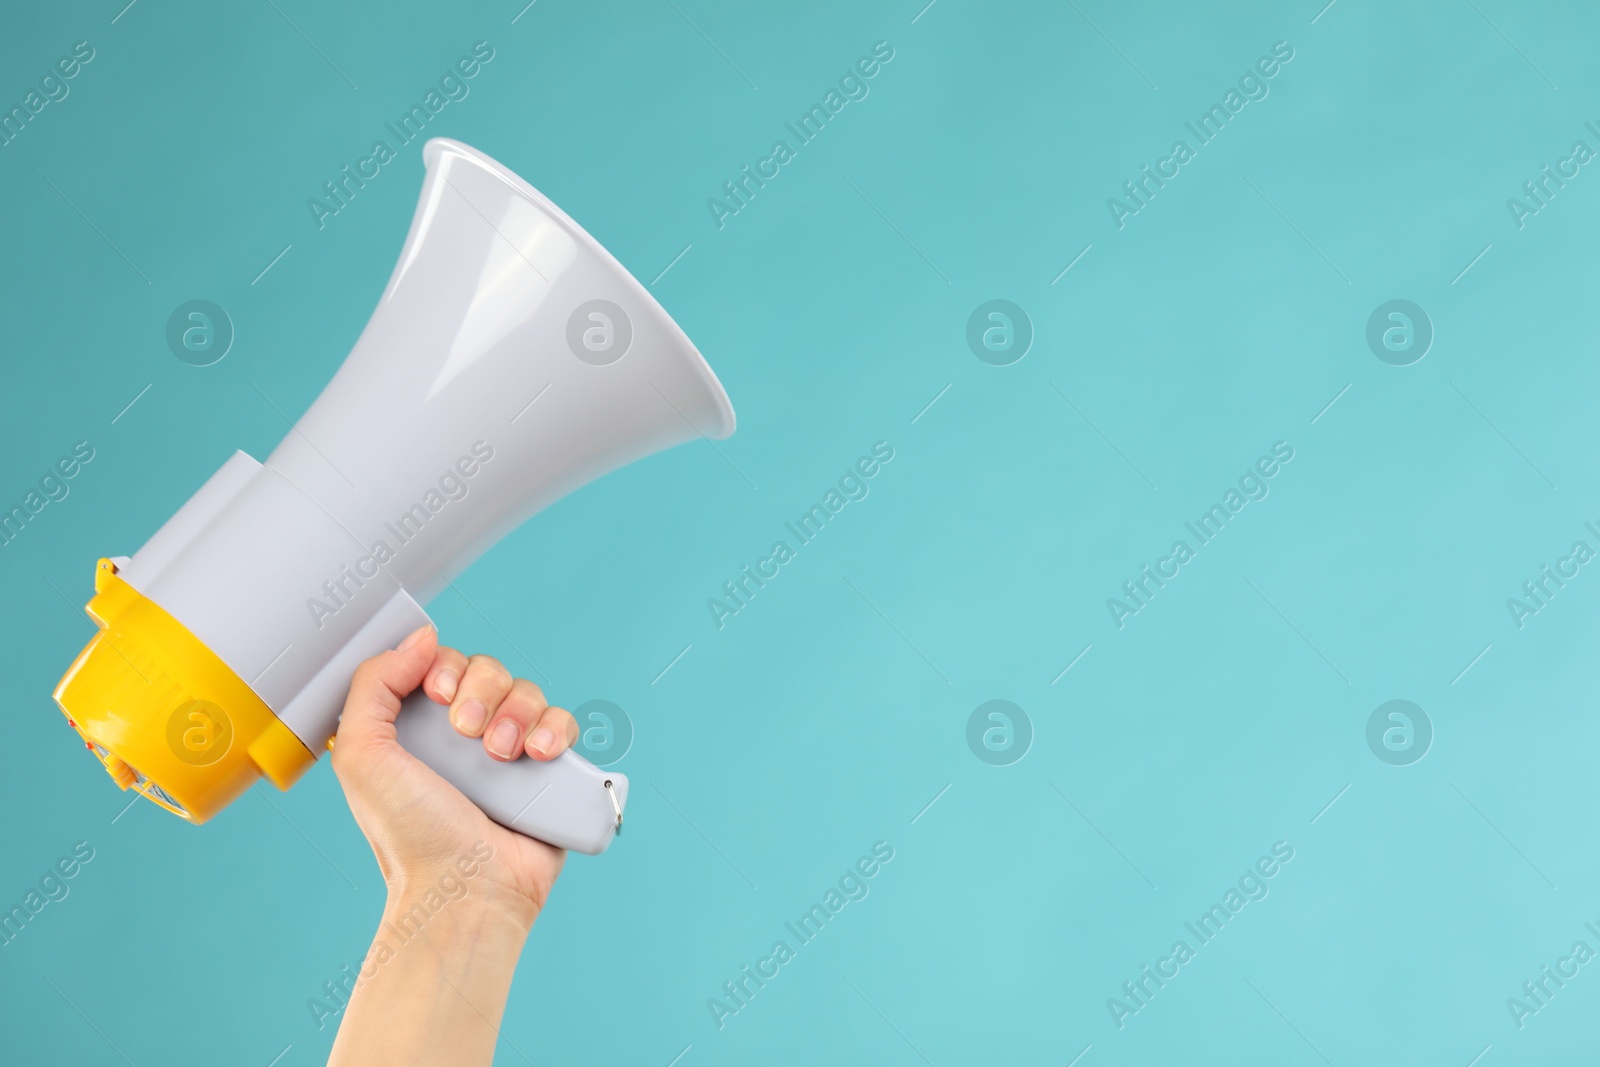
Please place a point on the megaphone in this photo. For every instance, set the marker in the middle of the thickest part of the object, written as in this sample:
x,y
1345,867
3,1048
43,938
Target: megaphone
x,y
510,360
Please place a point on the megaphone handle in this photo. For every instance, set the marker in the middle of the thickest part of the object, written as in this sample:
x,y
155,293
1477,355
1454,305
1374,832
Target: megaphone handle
x,y
567,802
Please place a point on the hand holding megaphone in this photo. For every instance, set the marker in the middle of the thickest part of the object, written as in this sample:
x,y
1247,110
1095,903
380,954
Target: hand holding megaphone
x,y
418,823
510,360
497,741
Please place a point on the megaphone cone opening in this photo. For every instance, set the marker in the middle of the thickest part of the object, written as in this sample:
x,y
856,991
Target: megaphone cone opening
x,y
723,420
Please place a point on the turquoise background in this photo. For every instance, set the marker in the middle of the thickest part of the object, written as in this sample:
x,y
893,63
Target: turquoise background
x,y
1222,718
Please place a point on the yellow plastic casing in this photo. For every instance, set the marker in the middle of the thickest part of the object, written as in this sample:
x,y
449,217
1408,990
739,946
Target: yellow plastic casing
x,y
165,714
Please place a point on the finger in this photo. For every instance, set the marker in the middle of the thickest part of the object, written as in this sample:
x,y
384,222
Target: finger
x,y
508,733
555,732
444,677
484,683
382,682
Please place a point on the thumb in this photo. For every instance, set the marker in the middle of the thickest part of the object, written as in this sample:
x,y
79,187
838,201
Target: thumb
x,y
382,682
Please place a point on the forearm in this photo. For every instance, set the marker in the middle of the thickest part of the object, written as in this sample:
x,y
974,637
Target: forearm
x,y
432,992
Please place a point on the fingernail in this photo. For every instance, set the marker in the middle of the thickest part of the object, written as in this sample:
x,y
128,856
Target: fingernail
x,y
503,740
542,740
445,682
471,716
417,635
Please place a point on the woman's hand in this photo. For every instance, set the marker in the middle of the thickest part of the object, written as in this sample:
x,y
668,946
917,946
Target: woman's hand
x,y
426,836
419,825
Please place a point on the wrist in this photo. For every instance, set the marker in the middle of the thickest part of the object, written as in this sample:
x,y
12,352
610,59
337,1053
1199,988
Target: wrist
x,y
465,890
412,913
433,987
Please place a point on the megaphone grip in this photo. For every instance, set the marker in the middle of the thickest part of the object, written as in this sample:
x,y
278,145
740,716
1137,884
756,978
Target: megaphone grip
x,y
567,802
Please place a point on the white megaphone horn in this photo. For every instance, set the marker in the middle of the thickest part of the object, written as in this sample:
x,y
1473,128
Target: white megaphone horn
x,y
510,360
